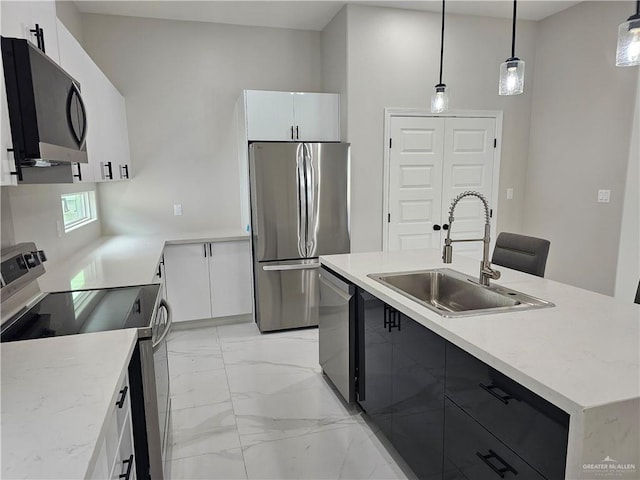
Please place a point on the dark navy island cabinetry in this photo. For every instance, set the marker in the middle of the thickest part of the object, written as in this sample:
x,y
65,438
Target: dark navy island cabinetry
x,y
401,383
448,414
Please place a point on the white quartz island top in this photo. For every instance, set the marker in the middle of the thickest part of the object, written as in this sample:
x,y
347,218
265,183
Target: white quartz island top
x,y
56,396
583,355
116,261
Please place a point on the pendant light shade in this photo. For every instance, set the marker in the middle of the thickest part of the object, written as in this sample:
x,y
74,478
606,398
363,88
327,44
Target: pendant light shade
x,y
440,97
628,51
512,69
511,77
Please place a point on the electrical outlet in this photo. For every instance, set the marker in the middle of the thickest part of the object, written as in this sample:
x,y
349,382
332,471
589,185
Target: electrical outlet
x,y
604,196
177,209
509,193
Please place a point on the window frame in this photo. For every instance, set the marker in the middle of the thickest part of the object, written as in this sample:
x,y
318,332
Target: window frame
x,y
88,200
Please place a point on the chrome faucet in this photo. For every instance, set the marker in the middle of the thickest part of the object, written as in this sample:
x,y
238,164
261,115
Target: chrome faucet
x,y
486,272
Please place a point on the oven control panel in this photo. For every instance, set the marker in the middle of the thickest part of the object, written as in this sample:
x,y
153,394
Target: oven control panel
x,y
20,264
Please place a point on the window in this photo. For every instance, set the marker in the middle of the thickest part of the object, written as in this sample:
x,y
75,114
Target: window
x,y
78,209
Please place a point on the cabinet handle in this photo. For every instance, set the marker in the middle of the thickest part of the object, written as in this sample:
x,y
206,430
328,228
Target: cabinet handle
x,y
210,250
204,245
109,174
79,175
499,471
490,389
123,396
292,137
16,162
39,37
159,271
125,169
297,133
391,318
129,463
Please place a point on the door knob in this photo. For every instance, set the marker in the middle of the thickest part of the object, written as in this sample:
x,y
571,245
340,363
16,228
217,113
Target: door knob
x,y
436,227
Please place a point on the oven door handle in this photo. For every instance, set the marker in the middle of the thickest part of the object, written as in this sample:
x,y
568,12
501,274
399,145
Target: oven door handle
x,y
157,343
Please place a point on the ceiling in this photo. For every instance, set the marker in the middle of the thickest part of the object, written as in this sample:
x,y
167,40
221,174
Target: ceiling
x,y
305,14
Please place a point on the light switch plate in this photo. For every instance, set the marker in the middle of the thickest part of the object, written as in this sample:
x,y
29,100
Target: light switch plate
x,y
604,196
509,193
177,209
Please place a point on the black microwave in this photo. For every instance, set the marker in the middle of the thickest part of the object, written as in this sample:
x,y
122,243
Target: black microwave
x,y
47,115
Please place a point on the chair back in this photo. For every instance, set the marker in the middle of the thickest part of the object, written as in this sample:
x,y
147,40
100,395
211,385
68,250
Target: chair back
x,y
520,252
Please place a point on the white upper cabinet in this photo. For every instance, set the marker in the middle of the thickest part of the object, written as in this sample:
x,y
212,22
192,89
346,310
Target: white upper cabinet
x,y
107,137
292,116
317,116
17,19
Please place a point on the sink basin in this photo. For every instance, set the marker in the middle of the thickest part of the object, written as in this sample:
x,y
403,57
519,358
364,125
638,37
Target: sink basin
x,y
454,294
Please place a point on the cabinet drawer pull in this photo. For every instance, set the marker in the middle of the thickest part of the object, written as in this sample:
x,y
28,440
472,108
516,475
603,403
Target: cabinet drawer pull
x,y
489,388
499,471
129,463
123,396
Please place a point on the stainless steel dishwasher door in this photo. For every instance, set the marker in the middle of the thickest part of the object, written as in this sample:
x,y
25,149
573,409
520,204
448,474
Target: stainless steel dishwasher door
x,y
337,332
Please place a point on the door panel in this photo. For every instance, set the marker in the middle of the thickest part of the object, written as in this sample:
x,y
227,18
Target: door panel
x,y
187,281
468,165
328,180
230,278
269,116
276,209
317,117
286,294
375,381
415,182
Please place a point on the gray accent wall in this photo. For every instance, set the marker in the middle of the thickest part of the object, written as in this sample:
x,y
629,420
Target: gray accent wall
x,y
579,143
181,81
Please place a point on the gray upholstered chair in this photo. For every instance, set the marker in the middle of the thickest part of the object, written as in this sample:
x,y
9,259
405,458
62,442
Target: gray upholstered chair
x,y
527,254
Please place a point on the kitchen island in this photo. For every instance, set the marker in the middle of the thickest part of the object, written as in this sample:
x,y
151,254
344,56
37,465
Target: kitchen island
x,y
581,356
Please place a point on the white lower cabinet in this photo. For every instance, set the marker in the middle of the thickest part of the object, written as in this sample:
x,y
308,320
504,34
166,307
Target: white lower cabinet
x,y
116,458
208,280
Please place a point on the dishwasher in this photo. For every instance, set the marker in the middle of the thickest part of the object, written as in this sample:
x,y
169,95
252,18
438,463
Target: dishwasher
x,y
336,332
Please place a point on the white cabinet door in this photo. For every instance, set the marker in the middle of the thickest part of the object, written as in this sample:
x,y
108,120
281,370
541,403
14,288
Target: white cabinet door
x,y
107,137
317,117
187,281
269,115
20,17
230,278
415,183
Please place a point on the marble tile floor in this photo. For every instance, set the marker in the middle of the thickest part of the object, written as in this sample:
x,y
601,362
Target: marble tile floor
x,y
255,406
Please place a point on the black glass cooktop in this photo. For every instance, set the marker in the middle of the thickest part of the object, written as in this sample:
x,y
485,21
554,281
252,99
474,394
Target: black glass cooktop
x,y
84,311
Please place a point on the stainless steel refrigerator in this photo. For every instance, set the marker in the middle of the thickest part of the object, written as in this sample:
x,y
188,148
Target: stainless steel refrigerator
x,y
299,211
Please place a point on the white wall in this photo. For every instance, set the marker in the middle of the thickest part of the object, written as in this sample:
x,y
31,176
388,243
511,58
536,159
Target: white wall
x,y
335,64
628,272
393,60
68,13
181,81
579,143
35,209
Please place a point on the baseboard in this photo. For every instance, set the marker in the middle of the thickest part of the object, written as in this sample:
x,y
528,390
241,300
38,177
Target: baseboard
x,y
212,322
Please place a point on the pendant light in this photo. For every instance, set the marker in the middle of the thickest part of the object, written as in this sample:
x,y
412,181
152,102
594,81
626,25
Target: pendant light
x,y
628,51
440,98
512,70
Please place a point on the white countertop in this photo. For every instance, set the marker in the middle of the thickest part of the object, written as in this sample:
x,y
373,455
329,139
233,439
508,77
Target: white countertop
x,y
56,396
582,353
115,261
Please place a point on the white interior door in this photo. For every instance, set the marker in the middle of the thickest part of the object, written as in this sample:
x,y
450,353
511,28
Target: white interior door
x,y
469,153
415,182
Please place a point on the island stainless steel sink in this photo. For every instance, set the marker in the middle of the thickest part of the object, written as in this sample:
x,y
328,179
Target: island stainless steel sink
x,y
454,294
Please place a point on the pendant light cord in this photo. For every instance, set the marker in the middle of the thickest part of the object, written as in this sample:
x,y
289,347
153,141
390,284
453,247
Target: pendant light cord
x,y
513,30
442,41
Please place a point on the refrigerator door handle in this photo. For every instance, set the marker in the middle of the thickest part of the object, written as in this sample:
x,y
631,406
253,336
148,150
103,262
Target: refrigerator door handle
x,y
297,266
312,199
302,200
